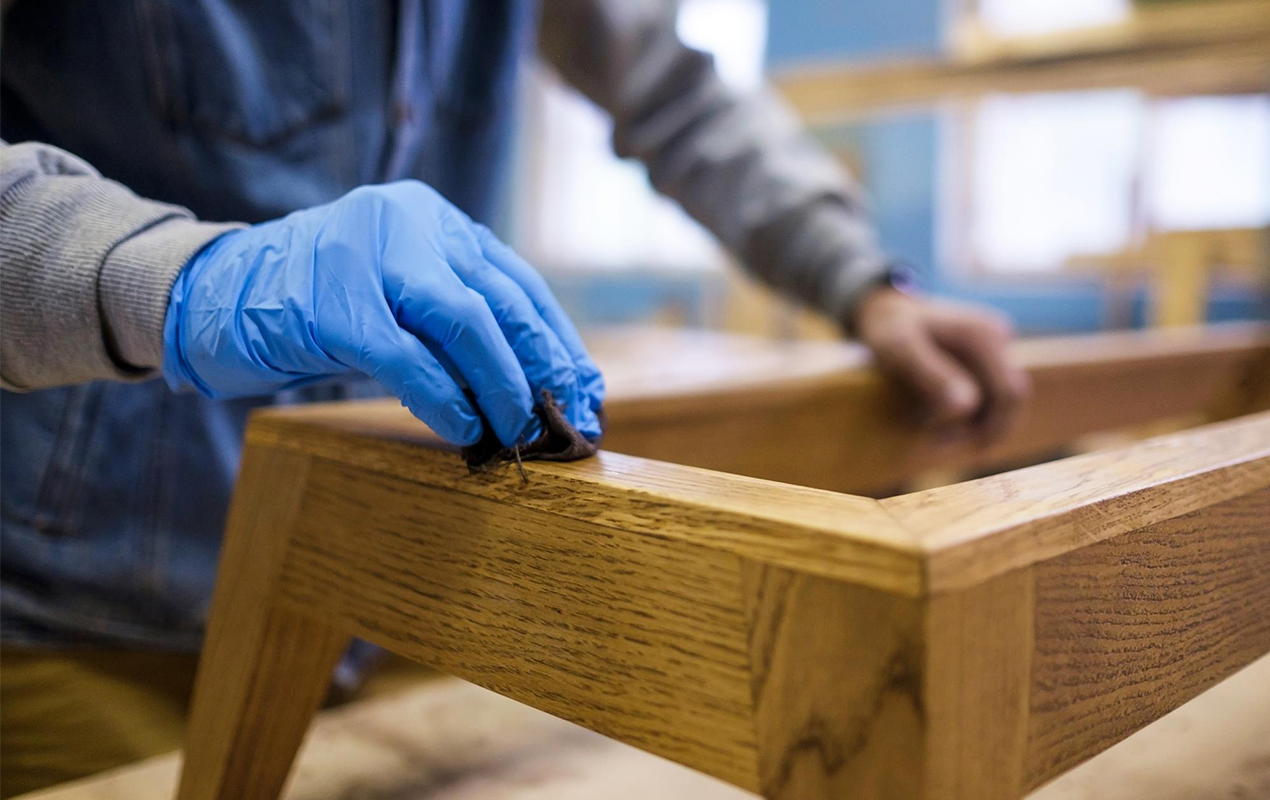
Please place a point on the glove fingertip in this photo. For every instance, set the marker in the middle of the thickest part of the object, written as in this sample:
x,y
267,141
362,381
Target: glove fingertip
x,y
532,430
458,425
586,421
515,426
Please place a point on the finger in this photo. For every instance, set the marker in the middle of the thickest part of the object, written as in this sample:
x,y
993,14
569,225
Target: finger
x,y
983,346
546,362
436,306
403,365
947,391
464,328
535,287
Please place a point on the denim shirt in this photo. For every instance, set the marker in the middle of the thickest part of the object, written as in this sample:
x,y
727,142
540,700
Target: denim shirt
x,y
114,495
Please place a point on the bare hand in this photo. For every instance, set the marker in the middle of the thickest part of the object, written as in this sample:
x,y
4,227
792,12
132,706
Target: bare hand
x,y
955,358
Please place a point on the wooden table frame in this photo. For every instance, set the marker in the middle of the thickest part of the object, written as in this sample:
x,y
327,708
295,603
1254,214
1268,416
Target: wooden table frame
x,y
970,641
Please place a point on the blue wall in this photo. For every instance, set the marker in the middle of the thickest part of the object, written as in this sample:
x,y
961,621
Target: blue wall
x,y
830,30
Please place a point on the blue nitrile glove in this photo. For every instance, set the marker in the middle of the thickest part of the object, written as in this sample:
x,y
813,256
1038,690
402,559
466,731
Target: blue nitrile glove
x,y
392,281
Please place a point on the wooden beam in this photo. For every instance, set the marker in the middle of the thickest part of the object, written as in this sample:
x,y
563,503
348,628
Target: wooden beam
x,y
265,654
977,530
1188,48
1148,577
816,414
1149,26
790,641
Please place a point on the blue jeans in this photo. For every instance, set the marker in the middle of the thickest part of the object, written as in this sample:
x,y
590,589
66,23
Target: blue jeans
x,y
114,495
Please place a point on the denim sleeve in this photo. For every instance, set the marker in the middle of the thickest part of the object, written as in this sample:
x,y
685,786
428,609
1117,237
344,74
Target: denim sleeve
x,y
741,165
86,267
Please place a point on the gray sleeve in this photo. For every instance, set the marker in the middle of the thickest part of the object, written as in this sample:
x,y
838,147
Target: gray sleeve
x,y
86,267
740,165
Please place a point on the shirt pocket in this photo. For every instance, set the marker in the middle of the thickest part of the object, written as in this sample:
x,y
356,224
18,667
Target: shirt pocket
x,y
245,70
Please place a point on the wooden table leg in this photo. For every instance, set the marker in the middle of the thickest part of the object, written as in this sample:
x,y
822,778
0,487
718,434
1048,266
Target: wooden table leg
x,y
860,693
264,669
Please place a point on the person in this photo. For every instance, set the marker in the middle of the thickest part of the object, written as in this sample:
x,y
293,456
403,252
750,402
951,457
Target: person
x,y
261,202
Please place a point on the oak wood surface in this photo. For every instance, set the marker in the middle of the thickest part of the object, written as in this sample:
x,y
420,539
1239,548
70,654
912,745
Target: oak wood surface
x,y
788,640
812,530
636,636
257,655
662,606
1130,628
836,676
976,686
815,414
1150,567
977,529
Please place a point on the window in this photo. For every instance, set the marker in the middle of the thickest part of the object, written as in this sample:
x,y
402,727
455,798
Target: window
x,y
1209,163
1056,176
586,209
1031,17
1053,176
1038,180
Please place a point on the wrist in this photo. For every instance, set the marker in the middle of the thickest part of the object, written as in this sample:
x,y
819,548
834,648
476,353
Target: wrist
x,y
135,282
177,369
896,284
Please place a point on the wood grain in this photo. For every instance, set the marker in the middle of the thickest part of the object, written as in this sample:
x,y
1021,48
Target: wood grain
x,y
811,530
956,643
1150,568
978,529
836,675
977,685
1130,628
264,670
815,414
638,637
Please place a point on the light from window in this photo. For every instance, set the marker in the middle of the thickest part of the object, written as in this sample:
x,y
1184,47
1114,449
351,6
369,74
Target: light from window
x,y
1033,17
586,208
1053,177
1209,163
733,31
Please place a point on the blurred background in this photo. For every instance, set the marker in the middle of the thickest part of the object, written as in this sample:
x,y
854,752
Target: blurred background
x,y
1082,165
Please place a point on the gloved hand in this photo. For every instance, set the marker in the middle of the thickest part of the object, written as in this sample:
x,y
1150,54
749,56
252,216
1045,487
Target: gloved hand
x,y
392,281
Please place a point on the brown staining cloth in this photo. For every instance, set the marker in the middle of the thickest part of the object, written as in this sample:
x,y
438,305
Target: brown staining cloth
x,y
559,441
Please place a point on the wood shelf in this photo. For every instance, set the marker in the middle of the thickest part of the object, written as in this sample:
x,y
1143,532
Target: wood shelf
x,y
1183,48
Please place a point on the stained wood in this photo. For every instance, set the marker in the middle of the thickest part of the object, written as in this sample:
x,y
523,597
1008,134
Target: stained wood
x,y
974,530
977,684
815,414
636,636
811,530
258,656
836,675
787,640
1150,568
1130,628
